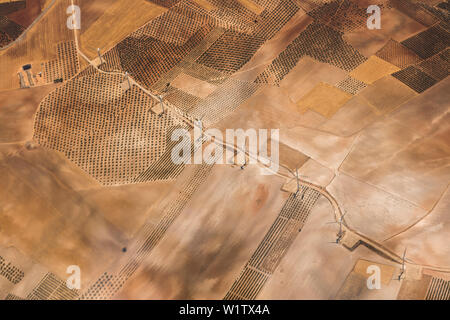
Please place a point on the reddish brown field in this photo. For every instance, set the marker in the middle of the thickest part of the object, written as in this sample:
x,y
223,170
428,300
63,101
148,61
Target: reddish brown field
x,y
87,176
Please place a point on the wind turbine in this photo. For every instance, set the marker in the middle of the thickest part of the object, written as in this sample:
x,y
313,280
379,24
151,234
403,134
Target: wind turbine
x,y
340,234
128,79
199,123
161,96
99,54
298,182
162,104
245,162
297,177
402,270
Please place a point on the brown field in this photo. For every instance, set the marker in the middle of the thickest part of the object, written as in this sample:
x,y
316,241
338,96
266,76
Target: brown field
x,y
414,289
373,69
68,219
324,99
93,10
223,237
252,6
26,16
386,94
87,176
426,115
17,113
39,45
205,4
193,85
115,23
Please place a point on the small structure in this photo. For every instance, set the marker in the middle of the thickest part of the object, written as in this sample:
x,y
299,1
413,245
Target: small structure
x,y
290,186
99,60
402,270
30,78
298,183
158,108
293,185
350,240
22,81
99,56
341,231
126,85
246,160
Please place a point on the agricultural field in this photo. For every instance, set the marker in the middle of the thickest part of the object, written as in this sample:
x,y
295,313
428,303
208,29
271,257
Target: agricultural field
x,y
339,164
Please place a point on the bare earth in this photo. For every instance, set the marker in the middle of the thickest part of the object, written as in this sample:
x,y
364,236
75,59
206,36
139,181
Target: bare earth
x,y
363,117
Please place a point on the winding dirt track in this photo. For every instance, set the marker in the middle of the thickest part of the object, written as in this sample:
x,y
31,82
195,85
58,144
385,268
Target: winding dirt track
x,y
182,116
